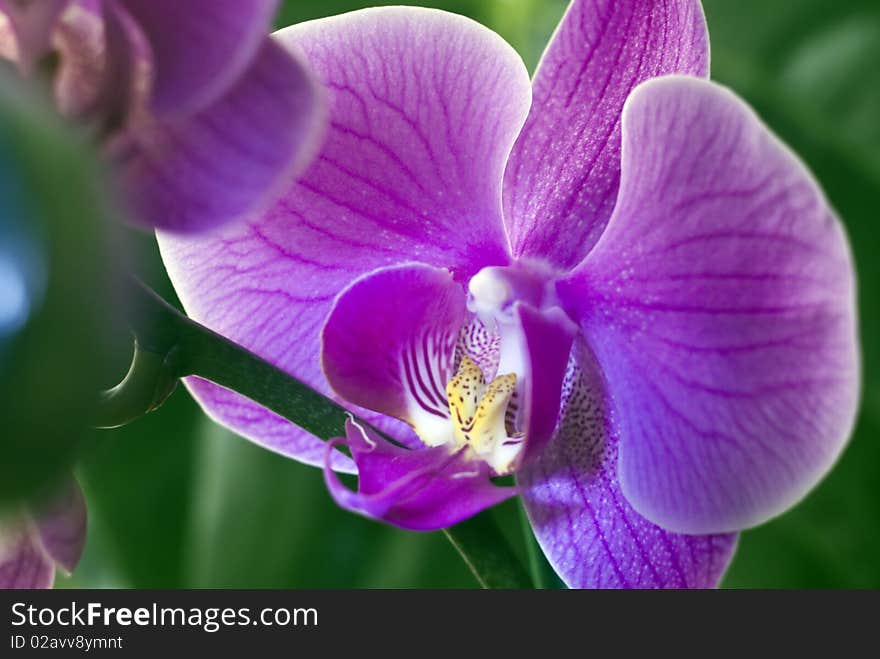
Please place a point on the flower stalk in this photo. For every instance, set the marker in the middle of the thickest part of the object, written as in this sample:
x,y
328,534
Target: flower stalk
x,y
169,346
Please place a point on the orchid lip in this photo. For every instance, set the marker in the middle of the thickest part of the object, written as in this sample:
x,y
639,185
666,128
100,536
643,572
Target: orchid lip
x,y
406,486
478,419
417,490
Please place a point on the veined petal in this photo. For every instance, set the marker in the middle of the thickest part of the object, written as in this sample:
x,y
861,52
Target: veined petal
x,y
419,490
32,25
720,305
561,183
590,534
232,158
424,107
389,344
200,48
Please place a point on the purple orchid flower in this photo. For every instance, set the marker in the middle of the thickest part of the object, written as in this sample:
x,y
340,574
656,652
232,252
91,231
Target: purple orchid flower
x,y
204,117
614,283
35,542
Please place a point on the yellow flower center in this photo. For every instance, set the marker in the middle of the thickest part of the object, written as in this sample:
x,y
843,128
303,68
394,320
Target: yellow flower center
x,y
479,415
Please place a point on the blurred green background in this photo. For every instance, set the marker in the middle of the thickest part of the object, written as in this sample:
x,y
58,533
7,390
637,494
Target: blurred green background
x,y
176,501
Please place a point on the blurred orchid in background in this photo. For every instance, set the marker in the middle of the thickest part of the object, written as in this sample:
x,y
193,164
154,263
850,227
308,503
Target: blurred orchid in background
x,y
613,282
201,115
37,540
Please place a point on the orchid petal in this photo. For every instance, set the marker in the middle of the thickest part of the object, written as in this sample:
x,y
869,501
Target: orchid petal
x,y
720,304
32,24
590,534
231,159
200,48
82,75
389,342
23,561
419,490
268,429
115,93
562,179
61,525
33,543
424,108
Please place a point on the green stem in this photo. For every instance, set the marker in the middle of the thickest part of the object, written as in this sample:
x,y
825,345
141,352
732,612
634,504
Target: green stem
x,y
169,346
487,553
532,552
